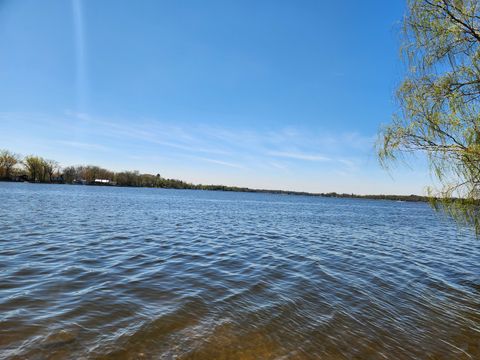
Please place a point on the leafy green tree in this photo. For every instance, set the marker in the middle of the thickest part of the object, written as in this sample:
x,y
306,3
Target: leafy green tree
x,y
7,162
439,102
35,167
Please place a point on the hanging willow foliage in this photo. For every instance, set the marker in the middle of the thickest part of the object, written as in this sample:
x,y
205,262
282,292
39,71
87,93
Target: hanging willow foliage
x,y
439,102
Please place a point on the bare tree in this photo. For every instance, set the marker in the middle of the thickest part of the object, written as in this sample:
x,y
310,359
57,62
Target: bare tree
x,y
70,174
50,167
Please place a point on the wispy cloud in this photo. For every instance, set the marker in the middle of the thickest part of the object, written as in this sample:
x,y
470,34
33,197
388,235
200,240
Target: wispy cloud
x,y
220,162
152,131
289,157
278,166
82,145
299,156
276,149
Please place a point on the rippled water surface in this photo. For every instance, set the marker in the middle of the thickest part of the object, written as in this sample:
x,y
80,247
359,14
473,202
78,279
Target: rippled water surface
x,y
120,273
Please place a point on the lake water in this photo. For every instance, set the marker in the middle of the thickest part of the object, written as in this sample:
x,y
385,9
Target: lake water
x,y
127,273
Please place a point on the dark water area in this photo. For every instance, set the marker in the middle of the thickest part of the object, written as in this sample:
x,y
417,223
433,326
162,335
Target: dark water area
x,y
124,273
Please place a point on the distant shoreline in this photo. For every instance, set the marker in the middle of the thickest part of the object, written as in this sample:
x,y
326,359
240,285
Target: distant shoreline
x,y
36,169
407,198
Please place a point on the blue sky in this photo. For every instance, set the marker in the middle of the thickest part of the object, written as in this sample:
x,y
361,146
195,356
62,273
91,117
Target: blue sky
x,y
265,94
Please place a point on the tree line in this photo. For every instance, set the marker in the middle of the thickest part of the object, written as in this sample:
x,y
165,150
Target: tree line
x,y
31,168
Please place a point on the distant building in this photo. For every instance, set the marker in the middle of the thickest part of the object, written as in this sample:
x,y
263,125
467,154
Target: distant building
x,y
20,178
58,179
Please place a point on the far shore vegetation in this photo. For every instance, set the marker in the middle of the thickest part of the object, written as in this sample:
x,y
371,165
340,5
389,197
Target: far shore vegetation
x,y
36,169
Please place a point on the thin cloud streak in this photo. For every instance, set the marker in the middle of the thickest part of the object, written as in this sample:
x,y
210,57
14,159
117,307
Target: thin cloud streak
x,y
299,156
199,138
153,133
229,147
82,145
220,162
278,166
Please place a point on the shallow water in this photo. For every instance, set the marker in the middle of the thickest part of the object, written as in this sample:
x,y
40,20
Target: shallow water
x,y
120,273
